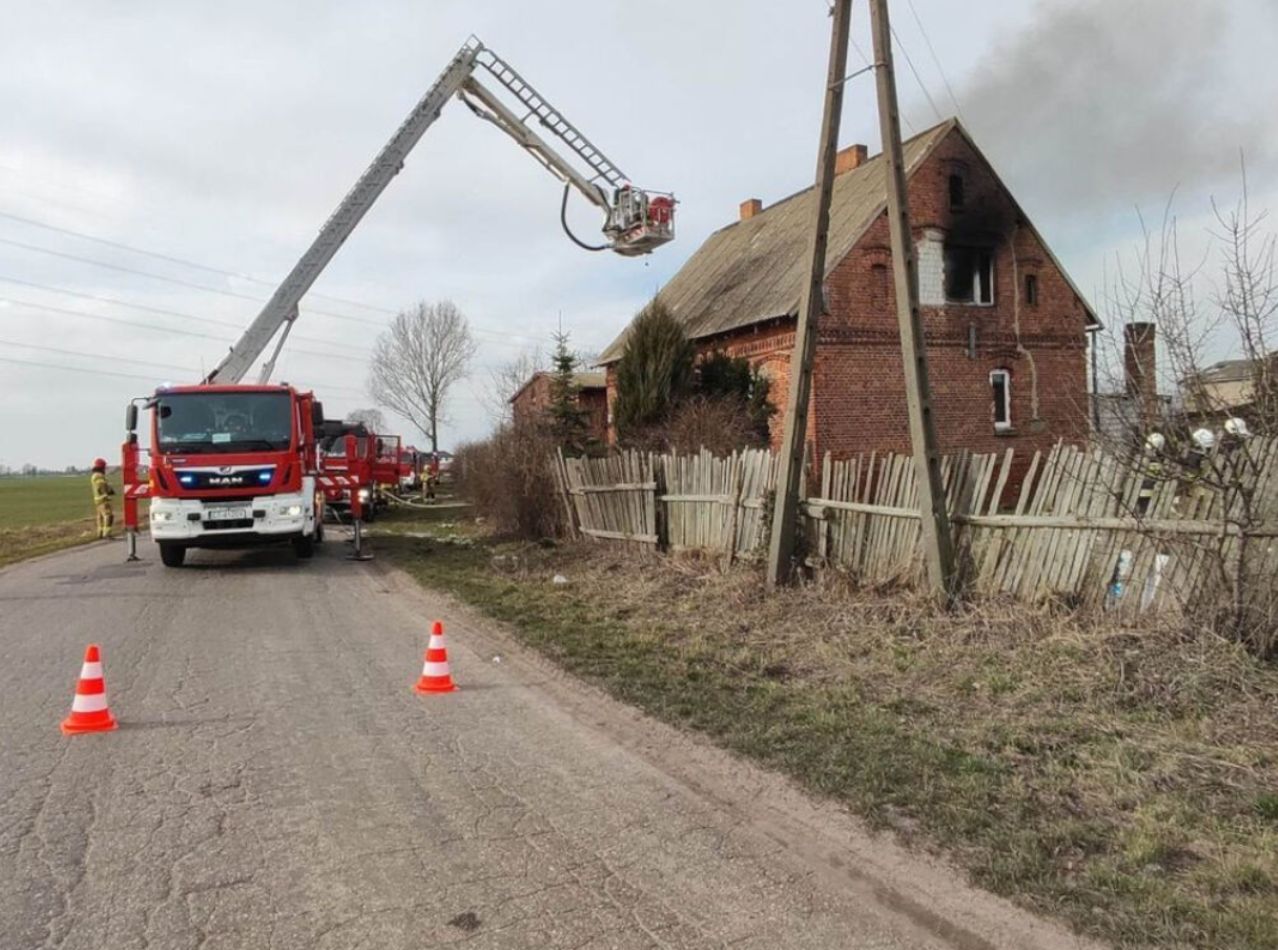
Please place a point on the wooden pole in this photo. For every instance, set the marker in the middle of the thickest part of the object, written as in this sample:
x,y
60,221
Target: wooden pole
x,y
786,512
938,543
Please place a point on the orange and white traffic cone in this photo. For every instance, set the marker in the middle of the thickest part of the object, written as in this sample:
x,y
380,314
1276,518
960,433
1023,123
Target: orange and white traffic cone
x,y
435,675
89,712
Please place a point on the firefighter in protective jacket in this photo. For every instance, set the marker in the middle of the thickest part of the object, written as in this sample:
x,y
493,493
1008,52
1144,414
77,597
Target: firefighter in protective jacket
x,y
102,492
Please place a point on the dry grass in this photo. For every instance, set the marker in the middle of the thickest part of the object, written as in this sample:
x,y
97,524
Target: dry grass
x,y
1125,780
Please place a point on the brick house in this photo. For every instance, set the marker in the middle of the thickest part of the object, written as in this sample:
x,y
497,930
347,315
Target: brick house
x,y
1006,329
532,398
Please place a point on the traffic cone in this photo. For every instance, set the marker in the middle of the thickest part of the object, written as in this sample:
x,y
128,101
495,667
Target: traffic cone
x,y
435,675
89,711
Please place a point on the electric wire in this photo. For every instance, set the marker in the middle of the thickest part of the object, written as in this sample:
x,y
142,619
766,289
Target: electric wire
x,y
162,311
917,78
160,329
500,337
32,222
150,379
77,369
936,59
870,64
113,359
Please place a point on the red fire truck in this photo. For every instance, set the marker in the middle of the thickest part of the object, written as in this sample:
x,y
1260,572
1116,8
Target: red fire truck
x,y
230,466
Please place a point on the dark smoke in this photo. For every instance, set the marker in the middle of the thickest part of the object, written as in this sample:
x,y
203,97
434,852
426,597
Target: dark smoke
x,y
1102,104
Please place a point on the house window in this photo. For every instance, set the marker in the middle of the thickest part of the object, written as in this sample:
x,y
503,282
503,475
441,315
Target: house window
x,y
1031,290
957,196
1001,390
969,275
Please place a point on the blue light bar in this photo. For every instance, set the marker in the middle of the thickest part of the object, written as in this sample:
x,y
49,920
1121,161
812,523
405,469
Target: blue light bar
x,y
264,477
186,479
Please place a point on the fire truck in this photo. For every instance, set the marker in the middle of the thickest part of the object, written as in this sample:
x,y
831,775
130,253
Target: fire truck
x,y
358,467
230,466
234,464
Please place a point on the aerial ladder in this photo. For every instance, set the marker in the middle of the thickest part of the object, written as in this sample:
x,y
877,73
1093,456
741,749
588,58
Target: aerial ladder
x,y
635,221
221,481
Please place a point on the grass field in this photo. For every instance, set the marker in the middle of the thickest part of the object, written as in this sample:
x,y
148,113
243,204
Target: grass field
x,y
1125,780
47,513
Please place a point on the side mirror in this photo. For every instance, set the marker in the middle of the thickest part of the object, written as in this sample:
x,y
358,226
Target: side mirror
x,y
317,414
131,418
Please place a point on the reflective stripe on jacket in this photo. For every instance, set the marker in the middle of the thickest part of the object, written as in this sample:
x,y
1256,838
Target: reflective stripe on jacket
x,y
102,490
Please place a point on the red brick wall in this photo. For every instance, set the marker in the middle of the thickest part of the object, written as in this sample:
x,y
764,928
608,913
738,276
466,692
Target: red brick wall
x,y
858,398
531,402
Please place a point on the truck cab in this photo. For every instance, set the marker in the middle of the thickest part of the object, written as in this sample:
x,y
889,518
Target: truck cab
x,y
233,466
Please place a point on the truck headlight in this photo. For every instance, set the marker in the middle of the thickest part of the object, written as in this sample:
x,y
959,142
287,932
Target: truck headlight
x,y
161,516
293,510
364,494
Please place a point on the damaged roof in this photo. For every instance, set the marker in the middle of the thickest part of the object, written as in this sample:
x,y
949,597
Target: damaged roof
x,y
754,270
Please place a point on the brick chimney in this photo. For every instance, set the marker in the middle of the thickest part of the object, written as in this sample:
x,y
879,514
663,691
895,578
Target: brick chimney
x,y
1140,370
750,207
853,156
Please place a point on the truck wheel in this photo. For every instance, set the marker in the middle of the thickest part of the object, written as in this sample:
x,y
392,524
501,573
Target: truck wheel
x,y
304,547
172,555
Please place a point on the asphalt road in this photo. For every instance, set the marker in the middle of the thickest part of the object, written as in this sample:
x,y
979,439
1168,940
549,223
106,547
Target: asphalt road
x,y
275,782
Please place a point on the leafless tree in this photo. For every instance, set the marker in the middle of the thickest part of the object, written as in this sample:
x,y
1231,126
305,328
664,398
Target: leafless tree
x,y
507,379
418,360
370,418
1212,457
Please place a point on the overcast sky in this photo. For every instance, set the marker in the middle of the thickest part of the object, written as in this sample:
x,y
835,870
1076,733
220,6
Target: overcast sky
x,y
224,134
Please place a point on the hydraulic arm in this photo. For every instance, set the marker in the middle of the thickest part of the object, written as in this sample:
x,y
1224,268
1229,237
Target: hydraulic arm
x,y
635,221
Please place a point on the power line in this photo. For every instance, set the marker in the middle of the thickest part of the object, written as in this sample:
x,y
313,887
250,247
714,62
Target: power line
x,y
175,260
114,359
500,335
917,78
159,329
869,64
936,59
77,369
151,379
162,311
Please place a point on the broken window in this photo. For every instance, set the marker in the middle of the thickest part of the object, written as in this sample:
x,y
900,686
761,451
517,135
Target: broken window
x,y
1001,388
969,275
1031,290
957,196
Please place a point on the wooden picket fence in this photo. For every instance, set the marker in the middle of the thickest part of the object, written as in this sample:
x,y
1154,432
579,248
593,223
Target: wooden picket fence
x,y
674,502
1075,526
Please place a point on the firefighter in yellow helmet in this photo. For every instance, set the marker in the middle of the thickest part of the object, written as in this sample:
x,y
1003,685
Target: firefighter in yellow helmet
x,y
102,492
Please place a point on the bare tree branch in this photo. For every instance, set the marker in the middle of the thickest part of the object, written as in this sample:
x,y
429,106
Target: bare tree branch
x,y
418,360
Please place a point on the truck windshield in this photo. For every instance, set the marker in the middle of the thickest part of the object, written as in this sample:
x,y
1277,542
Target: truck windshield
x,y
224,422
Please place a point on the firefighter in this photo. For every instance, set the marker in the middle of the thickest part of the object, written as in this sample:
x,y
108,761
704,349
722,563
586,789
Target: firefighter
x,y
102,492
432,477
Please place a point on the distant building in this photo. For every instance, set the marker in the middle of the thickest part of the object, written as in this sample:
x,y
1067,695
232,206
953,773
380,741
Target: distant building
x,y
533,398
1229,388
1006,329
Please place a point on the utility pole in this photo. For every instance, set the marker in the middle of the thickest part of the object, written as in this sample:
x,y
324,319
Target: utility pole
x,y
938,542
786,511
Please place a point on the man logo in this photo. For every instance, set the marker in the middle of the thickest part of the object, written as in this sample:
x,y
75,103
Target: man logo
x,y
226,469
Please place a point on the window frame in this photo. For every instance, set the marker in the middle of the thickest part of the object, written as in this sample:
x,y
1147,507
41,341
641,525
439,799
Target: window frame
x,y
960,192
1005,375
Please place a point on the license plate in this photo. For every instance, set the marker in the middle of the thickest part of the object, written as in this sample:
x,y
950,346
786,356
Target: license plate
x,y
225,514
